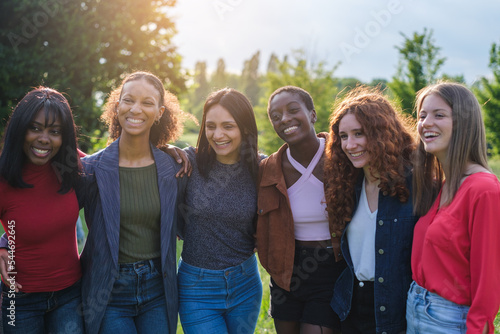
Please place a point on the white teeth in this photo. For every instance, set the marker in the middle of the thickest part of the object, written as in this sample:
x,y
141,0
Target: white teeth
x,y
290,129
39,151
221,142
430,134
357,154
135,121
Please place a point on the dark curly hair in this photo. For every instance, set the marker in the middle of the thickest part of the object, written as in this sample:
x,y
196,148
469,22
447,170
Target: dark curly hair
x,y
171,122
389,144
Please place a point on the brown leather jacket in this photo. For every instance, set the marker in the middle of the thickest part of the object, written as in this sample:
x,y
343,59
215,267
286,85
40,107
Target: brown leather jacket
x,y
275,229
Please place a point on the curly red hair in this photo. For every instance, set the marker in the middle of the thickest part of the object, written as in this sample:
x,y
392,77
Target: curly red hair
x,y
389,144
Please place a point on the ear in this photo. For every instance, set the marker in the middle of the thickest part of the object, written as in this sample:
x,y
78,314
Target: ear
x,y
314,117
161,111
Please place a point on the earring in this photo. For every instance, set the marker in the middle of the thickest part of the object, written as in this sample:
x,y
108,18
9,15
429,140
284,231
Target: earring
x,y
157,121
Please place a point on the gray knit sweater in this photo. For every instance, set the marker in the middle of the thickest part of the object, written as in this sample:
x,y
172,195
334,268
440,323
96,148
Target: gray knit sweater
x,y
220,213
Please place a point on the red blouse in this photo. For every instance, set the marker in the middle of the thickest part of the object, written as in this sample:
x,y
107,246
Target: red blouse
x,y
456,250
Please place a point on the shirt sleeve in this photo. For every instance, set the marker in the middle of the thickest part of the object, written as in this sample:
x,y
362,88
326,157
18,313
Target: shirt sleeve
x,y
484,231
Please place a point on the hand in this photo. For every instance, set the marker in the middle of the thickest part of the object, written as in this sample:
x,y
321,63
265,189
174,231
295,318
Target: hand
x,y
5,268
181,157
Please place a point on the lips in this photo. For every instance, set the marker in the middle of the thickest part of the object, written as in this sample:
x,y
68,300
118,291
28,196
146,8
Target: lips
x,y
222,143
135,120
39,152
290,130
357,154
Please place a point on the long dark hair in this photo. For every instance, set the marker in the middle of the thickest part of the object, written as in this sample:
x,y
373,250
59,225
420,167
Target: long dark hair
x,y
241,109
12,158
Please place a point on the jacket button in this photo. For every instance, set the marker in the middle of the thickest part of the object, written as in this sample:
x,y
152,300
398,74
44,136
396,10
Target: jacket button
x,y
334,235
381,222
381,279
382,308
381,251
396,220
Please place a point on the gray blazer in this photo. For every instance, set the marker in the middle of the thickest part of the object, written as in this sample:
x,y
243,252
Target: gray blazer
x,y
100,195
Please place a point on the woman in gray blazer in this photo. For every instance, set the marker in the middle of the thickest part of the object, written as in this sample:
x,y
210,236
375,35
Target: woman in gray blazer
x,y
130,196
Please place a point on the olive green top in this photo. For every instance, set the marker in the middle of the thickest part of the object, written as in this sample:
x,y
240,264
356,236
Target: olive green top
x,y
139,214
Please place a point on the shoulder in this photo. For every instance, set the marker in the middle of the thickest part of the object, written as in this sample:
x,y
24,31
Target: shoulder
x,y
481,184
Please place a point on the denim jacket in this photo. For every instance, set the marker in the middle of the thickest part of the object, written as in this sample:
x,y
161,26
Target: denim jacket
x,y
393,242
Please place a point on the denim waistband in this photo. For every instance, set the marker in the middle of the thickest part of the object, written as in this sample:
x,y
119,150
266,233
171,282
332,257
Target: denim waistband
x,y
245,266
152,263
426,295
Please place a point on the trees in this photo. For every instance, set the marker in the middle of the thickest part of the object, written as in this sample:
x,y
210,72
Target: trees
x,y
488,94
82,48
418,66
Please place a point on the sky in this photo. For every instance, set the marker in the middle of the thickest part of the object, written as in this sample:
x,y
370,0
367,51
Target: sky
x,y
362,34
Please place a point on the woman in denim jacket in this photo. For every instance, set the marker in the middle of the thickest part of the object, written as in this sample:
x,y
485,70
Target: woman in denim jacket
x,y
368,192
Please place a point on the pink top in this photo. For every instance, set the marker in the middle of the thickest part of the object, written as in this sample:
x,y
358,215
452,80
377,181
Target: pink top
x,y
307,201
456,250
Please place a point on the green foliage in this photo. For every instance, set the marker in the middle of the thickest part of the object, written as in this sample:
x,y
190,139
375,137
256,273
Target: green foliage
x,y
314,78
83,48
488,94
418,66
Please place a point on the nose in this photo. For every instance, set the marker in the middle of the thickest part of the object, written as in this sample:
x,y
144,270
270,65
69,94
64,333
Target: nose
x,y
218,133
350,143
427,121
285,117
43,138
135,108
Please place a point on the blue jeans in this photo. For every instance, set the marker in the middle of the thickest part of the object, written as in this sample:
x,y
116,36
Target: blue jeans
x,y
427,312
42,312
137,303
219,301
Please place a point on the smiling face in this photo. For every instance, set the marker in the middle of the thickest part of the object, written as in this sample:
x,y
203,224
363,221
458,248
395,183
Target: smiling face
x,y
138,108
223,134
353,141
291,119
435,125
43,139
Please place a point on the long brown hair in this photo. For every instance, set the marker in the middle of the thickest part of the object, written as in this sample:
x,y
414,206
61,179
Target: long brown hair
x,y
389,144
467,144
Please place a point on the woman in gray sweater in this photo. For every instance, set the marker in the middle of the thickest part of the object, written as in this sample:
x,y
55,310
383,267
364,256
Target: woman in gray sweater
x,y
220,290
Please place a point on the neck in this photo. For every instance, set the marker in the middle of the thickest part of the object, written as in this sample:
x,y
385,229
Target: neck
x,y
304,152
134,152
372,177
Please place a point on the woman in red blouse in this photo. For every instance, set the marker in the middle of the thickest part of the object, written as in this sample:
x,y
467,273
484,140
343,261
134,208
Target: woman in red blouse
x,y
456,254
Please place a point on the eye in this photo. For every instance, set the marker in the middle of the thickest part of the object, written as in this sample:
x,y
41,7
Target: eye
x,y
228,127
343,136
126,100
358,133
34,127
56,132
148,103
275,117
210,127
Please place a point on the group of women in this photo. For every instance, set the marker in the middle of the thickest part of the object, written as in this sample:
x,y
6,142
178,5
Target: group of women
x,y
363,229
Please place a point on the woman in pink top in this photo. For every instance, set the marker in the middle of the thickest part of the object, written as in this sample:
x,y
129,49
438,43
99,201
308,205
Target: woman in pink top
x,y
456,253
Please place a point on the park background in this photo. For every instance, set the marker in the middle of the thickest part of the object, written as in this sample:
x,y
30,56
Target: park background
x,y
84,48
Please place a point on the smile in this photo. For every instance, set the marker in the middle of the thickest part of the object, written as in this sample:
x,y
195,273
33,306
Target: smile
x,y
40,152
430,134
221,143
135,120
290,130
358,154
